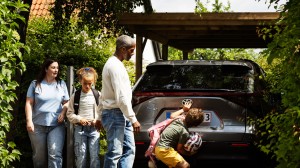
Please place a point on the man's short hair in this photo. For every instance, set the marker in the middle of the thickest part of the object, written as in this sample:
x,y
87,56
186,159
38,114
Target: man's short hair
x,y
124,41
194,117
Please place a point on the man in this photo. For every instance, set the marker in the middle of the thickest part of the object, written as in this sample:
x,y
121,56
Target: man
x,y
118,118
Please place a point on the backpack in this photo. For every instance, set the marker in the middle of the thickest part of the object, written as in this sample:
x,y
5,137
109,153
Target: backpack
x,y
77,97
154,135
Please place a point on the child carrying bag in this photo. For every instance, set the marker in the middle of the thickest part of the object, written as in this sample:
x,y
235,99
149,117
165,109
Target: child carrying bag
x,y
154,135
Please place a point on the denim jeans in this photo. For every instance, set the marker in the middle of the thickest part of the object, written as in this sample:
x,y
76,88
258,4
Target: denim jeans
x,y
47,144
86,143
120,139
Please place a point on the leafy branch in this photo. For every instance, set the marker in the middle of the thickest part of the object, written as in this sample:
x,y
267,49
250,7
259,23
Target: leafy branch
x,y
9,55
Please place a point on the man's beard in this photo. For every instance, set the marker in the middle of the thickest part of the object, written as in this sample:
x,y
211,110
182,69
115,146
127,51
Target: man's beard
x,y
127,57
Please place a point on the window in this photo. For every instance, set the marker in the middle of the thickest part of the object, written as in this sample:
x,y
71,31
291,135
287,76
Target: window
x,y
197,78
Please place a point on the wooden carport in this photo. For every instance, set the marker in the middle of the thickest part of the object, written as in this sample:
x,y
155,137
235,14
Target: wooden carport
x,y
187,31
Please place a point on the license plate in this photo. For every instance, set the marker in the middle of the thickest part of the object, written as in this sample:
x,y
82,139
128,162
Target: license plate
x,y
207,117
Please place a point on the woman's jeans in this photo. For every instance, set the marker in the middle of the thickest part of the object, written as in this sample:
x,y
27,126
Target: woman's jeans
x,y
86,143
120,139
47,144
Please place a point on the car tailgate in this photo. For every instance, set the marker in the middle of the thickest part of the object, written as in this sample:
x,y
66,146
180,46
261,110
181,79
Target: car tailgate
x,y
224,120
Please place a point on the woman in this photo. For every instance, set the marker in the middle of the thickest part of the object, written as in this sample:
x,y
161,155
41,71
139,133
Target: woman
x,y
46,106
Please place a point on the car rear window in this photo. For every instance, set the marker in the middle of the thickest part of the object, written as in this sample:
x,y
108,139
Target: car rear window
x,y
196,77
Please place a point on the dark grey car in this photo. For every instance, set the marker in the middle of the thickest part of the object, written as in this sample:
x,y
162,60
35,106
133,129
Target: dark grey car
x,y
229,92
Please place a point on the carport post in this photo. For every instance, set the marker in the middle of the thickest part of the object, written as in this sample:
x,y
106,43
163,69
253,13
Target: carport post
x,y
185,55
139,57
70,130
165,52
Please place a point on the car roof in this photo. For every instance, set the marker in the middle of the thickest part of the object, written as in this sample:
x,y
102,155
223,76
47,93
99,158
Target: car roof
x,y
247,63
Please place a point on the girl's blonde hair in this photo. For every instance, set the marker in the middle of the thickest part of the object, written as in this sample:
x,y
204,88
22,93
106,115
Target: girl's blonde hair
x,y
87,71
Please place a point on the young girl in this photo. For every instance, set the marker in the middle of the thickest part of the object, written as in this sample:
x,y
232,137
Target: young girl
x,y
86,121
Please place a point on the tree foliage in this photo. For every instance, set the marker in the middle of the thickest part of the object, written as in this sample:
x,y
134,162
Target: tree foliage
x,y
281,128
220,53
217,6
225,54
95,14
10,55
76,47
216,54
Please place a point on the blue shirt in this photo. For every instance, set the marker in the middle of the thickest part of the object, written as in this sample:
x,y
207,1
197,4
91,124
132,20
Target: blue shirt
x,y
48,98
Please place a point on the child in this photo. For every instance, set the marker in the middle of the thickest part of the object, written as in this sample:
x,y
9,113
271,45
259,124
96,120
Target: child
x,y
86,121
171,143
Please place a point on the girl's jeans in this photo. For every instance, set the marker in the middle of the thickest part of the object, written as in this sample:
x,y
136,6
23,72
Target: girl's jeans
x,y
47,144
120,139
86,143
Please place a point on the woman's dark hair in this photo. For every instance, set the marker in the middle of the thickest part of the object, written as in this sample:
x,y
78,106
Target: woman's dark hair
x,y
194,117
42,73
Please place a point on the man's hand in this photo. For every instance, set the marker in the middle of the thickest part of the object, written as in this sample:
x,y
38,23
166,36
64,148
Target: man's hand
x,y
136,127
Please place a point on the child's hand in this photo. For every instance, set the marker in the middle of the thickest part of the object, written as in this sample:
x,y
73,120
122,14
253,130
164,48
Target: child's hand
x,y
85,122
187,103
61,117
194,152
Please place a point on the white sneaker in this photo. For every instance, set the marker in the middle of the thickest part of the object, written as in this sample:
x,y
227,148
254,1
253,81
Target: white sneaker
x,y
151,164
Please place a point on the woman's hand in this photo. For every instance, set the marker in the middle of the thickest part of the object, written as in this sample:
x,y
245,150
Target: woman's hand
x,y
30,126
28,112
61,117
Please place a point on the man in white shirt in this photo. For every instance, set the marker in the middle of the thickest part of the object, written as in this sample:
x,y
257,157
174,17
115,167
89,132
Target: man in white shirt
x,y
118,117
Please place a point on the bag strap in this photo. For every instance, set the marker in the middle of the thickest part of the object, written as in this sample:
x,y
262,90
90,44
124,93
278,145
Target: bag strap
x,y
96,95
76,100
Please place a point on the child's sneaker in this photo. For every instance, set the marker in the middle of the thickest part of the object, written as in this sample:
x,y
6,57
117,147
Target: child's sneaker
x,y
151,164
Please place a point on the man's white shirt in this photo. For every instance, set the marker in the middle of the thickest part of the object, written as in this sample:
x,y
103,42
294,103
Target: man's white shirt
x,y
116,88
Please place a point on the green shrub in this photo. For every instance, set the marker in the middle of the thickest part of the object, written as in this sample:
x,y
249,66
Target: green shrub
x,y
281,128
73,47
11,63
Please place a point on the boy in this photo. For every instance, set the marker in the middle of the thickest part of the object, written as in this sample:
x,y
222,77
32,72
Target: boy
x,y
171,143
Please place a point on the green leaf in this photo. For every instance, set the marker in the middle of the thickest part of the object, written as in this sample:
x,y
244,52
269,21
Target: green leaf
x,y
11,145
3,59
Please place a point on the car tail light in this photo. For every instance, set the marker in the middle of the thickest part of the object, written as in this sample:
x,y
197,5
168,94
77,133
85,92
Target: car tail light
x,y
139,143
240,145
